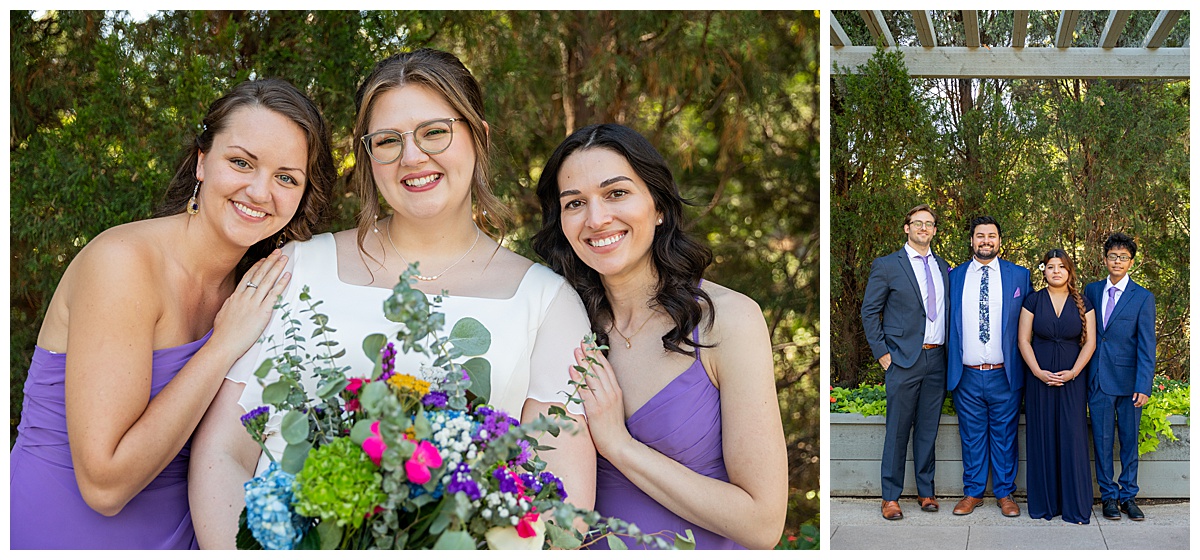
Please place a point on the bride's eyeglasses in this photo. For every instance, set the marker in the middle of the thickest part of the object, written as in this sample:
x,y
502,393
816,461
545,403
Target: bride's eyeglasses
x,y
432,137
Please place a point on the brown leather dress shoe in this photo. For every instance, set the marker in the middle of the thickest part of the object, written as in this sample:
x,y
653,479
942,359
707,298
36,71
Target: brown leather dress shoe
x,y
928,504
967,505
891,510
1008,507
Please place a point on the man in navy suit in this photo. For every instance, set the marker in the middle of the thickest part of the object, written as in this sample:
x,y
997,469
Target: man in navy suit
x,y
984,368
1120,373
904,319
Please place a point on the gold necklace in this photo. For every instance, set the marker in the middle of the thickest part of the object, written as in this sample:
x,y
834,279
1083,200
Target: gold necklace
x,y
438,275
629,344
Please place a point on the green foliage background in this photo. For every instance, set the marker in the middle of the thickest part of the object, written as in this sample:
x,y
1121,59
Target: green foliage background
x,y
102,103
1059,163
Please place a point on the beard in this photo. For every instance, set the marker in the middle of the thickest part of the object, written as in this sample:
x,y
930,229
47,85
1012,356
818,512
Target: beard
x,y
985,253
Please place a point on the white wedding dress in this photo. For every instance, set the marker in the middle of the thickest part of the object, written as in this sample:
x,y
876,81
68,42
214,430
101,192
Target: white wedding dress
x,y
534,333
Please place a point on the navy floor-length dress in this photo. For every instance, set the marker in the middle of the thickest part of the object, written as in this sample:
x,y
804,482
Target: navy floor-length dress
x,y
1057,472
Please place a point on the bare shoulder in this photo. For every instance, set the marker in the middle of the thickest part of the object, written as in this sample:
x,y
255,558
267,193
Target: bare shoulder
x,y
128,251
733,310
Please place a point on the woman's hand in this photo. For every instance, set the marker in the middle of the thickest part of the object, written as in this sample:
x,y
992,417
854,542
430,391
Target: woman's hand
x,y
246,312
603,402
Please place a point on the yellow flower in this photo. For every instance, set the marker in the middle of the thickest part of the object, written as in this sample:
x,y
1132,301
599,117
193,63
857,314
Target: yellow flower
x,y
409,383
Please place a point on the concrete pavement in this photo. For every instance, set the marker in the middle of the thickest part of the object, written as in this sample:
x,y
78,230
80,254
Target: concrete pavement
x,y
855,524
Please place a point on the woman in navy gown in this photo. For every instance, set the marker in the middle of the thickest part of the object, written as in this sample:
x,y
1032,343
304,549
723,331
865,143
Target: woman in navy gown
x,y
1057,337
682,409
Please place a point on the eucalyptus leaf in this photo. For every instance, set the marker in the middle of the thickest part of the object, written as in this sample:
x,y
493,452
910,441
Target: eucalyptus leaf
x,y
372,395
441,522
264,369
615,543
361,431
480,371
422,428
686,542
455,540
331,535
331,388
294,427
276,392
471,337
294,456
561,538
372,345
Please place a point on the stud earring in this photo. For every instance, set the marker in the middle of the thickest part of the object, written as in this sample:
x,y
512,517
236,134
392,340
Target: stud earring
x,y
281,241
659,221
193,206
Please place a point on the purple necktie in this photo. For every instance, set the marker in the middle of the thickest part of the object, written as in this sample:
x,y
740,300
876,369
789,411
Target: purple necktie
x,y
1112,302
985,323
930,290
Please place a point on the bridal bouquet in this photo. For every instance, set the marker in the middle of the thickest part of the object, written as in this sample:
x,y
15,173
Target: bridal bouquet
x,y
391,460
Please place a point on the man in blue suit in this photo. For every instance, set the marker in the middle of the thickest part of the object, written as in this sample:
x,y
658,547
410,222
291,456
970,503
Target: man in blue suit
x,y
1120,373
904,318
984,368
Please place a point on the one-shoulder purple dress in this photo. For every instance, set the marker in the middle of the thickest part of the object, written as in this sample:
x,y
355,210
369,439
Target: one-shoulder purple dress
x,y
46,510
683,422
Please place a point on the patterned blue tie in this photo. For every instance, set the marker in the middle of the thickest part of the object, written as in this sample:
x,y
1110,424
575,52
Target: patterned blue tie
x,y
985,330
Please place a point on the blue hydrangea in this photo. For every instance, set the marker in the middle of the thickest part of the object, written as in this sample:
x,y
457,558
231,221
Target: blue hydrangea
x,y
269,514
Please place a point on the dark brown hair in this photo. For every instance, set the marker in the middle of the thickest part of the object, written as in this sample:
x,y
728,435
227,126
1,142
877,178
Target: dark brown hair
x,y
679,260
1072,285
283,98
919,208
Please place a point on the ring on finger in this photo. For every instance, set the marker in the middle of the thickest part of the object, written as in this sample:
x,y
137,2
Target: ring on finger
x,y
251,284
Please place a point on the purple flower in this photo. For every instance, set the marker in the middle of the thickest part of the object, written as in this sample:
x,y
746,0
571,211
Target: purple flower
x,y
525,454
531,482
495,422
508,483
255,414
461,481
434,399
388,361
548,478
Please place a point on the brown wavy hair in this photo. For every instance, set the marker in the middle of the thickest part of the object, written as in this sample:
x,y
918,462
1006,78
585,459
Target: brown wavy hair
x,y
445,74
281,97
1072,286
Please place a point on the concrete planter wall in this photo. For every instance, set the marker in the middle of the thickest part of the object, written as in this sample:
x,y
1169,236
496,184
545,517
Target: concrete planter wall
x,y
856,445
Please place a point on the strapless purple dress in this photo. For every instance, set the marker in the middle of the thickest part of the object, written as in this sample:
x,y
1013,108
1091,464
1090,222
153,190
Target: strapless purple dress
x,y
683,422
46,510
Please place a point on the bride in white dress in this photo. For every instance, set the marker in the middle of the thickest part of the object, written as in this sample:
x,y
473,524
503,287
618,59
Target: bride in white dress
x,y
421,144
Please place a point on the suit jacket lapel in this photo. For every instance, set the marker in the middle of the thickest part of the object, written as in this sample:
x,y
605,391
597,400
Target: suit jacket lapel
x,y
1130,289
908,272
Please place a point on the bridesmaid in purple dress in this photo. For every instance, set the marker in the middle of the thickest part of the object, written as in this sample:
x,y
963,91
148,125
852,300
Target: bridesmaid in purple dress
x,y
682,409
153,314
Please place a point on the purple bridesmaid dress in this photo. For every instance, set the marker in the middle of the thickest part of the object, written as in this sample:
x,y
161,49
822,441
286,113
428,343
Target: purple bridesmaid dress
x,y
46,510
683,422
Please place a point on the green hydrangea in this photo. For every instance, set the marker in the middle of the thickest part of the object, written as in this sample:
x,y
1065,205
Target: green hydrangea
x,y
338,483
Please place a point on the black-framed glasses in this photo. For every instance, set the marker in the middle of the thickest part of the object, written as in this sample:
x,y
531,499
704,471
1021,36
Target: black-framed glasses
x,y
920,224
432,137
1119,258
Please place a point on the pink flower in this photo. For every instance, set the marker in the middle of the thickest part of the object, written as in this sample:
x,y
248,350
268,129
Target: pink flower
x,y
374,445
525,528
356,383
423,458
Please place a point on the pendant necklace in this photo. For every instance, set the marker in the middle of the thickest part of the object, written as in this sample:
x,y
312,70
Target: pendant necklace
x,y
628,343
438,275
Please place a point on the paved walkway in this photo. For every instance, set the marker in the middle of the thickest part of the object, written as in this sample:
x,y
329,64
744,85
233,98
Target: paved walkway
x,y
855,524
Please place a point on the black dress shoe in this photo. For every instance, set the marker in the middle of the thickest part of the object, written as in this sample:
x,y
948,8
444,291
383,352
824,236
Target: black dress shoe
x,y
1111,511
1130,508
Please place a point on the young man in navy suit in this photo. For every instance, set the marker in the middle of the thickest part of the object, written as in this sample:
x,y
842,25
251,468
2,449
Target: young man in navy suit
x,y
904,318
984,368
1120,374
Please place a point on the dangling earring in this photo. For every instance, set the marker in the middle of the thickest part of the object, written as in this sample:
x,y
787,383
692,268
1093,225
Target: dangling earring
x,y
193,206
376,223
282,240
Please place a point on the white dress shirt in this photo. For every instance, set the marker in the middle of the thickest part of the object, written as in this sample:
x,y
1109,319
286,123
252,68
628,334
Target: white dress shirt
x,y
935,330
975,352
1124,283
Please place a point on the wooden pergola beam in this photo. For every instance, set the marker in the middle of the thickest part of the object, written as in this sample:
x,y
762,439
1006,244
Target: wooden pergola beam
x,y
923,19
971,27
837,35
1047,63
1113,28
1161,28
878,26
1020,27
1066,28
